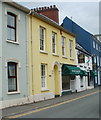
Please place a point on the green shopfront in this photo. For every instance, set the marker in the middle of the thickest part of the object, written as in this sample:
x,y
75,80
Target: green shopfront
x,y
69,74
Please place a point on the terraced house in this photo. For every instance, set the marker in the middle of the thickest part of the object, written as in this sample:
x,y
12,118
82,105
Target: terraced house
x,y
13,55
52,55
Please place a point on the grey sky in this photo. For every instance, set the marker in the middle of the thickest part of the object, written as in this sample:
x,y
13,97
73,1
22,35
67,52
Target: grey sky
x,y
86,14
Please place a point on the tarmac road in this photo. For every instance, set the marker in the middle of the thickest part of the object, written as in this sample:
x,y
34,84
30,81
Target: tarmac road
x,y
86,106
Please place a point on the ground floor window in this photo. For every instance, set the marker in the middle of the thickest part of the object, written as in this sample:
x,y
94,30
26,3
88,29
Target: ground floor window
x,y
12,76
43,75
65,82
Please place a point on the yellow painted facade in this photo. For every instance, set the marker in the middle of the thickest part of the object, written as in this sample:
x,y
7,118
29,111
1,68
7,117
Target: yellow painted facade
x,y
52,61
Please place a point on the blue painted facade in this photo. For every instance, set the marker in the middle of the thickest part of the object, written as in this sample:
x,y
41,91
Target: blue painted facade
x,y
87,40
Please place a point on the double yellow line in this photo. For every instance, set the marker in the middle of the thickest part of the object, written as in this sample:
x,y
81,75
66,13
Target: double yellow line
x,y
23,114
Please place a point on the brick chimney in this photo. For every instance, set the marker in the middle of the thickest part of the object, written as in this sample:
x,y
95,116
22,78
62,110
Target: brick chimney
x,y
51,12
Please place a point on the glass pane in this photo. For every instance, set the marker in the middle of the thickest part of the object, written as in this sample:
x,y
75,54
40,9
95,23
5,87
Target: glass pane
x,y
12,69
12,84
11,20
13,34
8,34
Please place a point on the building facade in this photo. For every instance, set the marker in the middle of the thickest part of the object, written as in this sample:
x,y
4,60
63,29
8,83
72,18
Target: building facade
x,y
90,43
84,62
13,55
51,47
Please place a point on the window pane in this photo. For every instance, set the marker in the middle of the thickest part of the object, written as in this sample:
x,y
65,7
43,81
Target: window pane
x,y
11,20
12,69
12,77
13,34
12,84
8,34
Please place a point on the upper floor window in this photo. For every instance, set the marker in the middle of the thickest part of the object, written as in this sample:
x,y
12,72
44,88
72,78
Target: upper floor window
x,y
11,27
12,76
96,46
71,48
53,42
94,59
63,46
99,48
43,75
98,60
93,44
42,38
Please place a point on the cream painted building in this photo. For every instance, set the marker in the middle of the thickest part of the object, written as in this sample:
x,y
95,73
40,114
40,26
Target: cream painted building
x,y
50,46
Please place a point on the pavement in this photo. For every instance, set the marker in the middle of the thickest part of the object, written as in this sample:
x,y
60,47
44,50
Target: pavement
x,y
6,112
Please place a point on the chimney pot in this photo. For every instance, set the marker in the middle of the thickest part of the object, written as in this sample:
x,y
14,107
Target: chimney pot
x,y
51,12
51,6
54,6
39,8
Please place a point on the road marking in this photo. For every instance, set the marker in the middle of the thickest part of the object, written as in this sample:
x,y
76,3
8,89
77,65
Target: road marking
x,y
24,114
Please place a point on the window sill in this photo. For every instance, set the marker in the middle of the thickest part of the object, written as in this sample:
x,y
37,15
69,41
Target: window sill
x,y
12,42
64,57
55,55
43,52
45,89
11,93
71,58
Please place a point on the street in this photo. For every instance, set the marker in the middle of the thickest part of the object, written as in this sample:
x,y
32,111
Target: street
x,y
82,107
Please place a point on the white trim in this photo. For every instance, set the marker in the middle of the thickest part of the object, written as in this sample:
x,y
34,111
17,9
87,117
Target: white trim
x,y
12,11
44,89
55,55
41,51
11,93
16,61
53,81
9,41
17,19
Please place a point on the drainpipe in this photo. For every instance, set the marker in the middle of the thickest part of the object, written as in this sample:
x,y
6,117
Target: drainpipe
x,y
27,54
31,21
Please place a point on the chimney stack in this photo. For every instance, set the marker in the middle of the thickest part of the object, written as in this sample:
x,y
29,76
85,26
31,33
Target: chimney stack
x,y
51,12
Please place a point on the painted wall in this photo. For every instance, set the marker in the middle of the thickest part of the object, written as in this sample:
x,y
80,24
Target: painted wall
x,y
14,52
0,54
84,38
83,66
48,58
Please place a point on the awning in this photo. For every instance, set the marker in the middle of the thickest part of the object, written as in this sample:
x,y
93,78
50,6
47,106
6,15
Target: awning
x,y
84,73
93,73
71,70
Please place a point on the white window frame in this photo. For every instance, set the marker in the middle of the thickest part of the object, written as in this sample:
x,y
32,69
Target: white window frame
x,y
53,42
98,60
96,46
17,85
43,77
93,44
63,46
17,20
95,59
71,48
42,39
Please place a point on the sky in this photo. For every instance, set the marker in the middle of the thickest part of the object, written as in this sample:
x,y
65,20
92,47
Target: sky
x,y
85,14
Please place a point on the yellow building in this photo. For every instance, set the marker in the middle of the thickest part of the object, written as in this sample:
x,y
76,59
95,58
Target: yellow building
x,y
50,46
